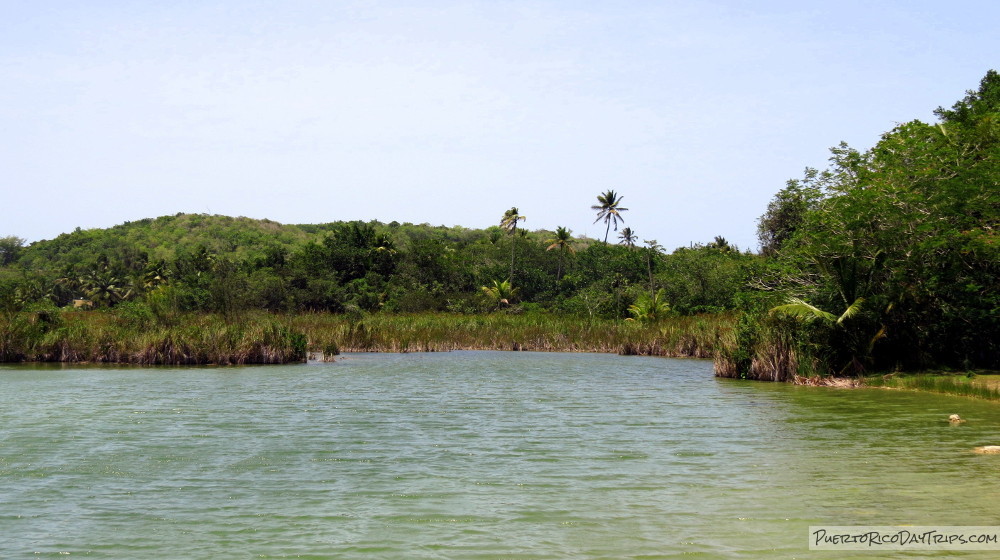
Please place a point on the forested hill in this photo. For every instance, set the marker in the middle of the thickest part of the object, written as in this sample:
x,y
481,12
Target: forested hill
x,y
239,240
165,238
219,263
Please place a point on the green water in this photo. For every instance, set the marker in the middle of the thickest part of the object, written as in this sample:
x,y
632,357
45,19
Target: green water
x,y
473,455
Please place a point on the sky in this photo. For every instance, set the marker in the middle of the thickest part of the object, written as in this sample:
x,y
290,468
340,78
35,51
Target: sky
x,y
451,112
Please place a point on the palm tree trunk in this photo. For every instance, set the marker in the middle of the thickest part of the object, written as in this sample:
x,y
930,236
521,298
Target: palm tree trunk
x,y
513,240
649,268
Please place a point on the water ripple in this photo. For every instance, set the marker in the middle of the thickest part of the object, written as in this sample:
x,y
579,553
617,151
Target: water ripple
x,y
470,455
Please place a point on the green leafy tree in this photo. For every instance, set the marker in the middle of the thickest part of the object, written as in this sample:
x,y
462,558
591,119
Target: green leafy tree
x,y
703,279
976,104
720,243
909,227
609,209
10,249
787,210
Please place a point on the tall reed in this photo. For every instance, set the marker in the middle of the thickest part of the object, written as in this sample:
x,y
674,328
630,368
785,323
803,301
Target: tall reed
x,y
93,336
765,348
135,335
429,332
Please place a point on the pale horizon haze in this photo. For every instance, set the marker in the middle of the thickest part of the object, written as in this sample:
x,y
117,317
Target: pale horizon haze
x,y
449,113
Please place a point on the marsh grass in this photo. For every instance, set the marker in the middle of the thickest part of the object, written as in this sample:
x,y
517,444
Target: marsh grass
x,y
695,336
950,384
764,349
134,336
105,337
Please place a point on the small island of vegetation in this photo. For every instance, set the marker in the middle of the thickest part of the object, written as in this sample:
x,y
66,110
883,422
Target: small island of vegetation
x,y
886,261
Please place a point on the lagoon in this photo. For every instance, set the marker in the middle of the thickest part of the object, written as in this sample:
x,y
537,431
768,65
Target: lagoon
x,y
473,455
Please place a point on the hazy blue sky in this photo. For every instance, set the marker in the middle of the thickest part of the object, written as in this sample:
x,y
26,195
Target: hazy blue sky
x,y
452,112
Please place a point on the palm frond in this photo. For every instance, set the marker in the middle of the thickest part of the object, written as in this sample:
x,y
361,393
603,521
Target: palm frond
x,y
803,311
851,310
879,335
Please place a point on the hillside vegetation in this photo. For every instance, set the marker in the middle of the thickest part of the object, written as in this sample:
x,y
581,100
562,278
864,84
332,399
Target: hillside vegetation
x,y
226,265
886,261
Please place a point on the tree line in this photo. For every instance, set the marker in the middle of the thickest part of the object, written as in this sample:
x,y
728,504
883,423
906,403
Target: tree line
x,y
200,263
886,260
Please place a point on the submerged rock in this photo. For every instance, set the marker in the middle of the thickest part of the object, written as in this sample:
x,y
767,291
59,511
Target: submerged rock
x,y
988,449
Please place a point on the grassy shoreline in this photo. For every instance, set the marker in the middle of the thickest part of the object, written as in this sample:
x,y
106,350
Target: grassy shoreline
x,y
980,384
128,337
694,336
131,336
121,338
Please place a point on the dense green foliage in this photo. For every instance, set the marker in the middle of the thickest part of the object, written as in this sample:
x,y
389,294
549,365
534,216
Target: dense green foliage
x,y
218,264
174,269
889,259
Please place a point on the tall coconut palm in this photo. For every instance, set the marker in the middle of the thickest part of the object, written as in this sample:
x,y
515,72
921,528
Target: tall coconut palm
x,y
653,249
562,242
628,237
509,224
609,210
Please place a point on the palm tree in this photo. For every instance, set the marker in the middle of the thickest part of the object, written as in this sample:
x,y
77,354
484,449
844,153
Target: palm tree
x,y
628,237
649,308
509,224
381,253
721,244
563,243
500,293
860,346
859,280
103,287
653,247
154,275
807,312
609,210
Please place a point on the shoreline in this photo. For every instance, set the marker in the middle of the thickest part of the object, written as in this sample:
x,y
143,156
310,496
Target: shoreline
x,y
982,384
73,336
